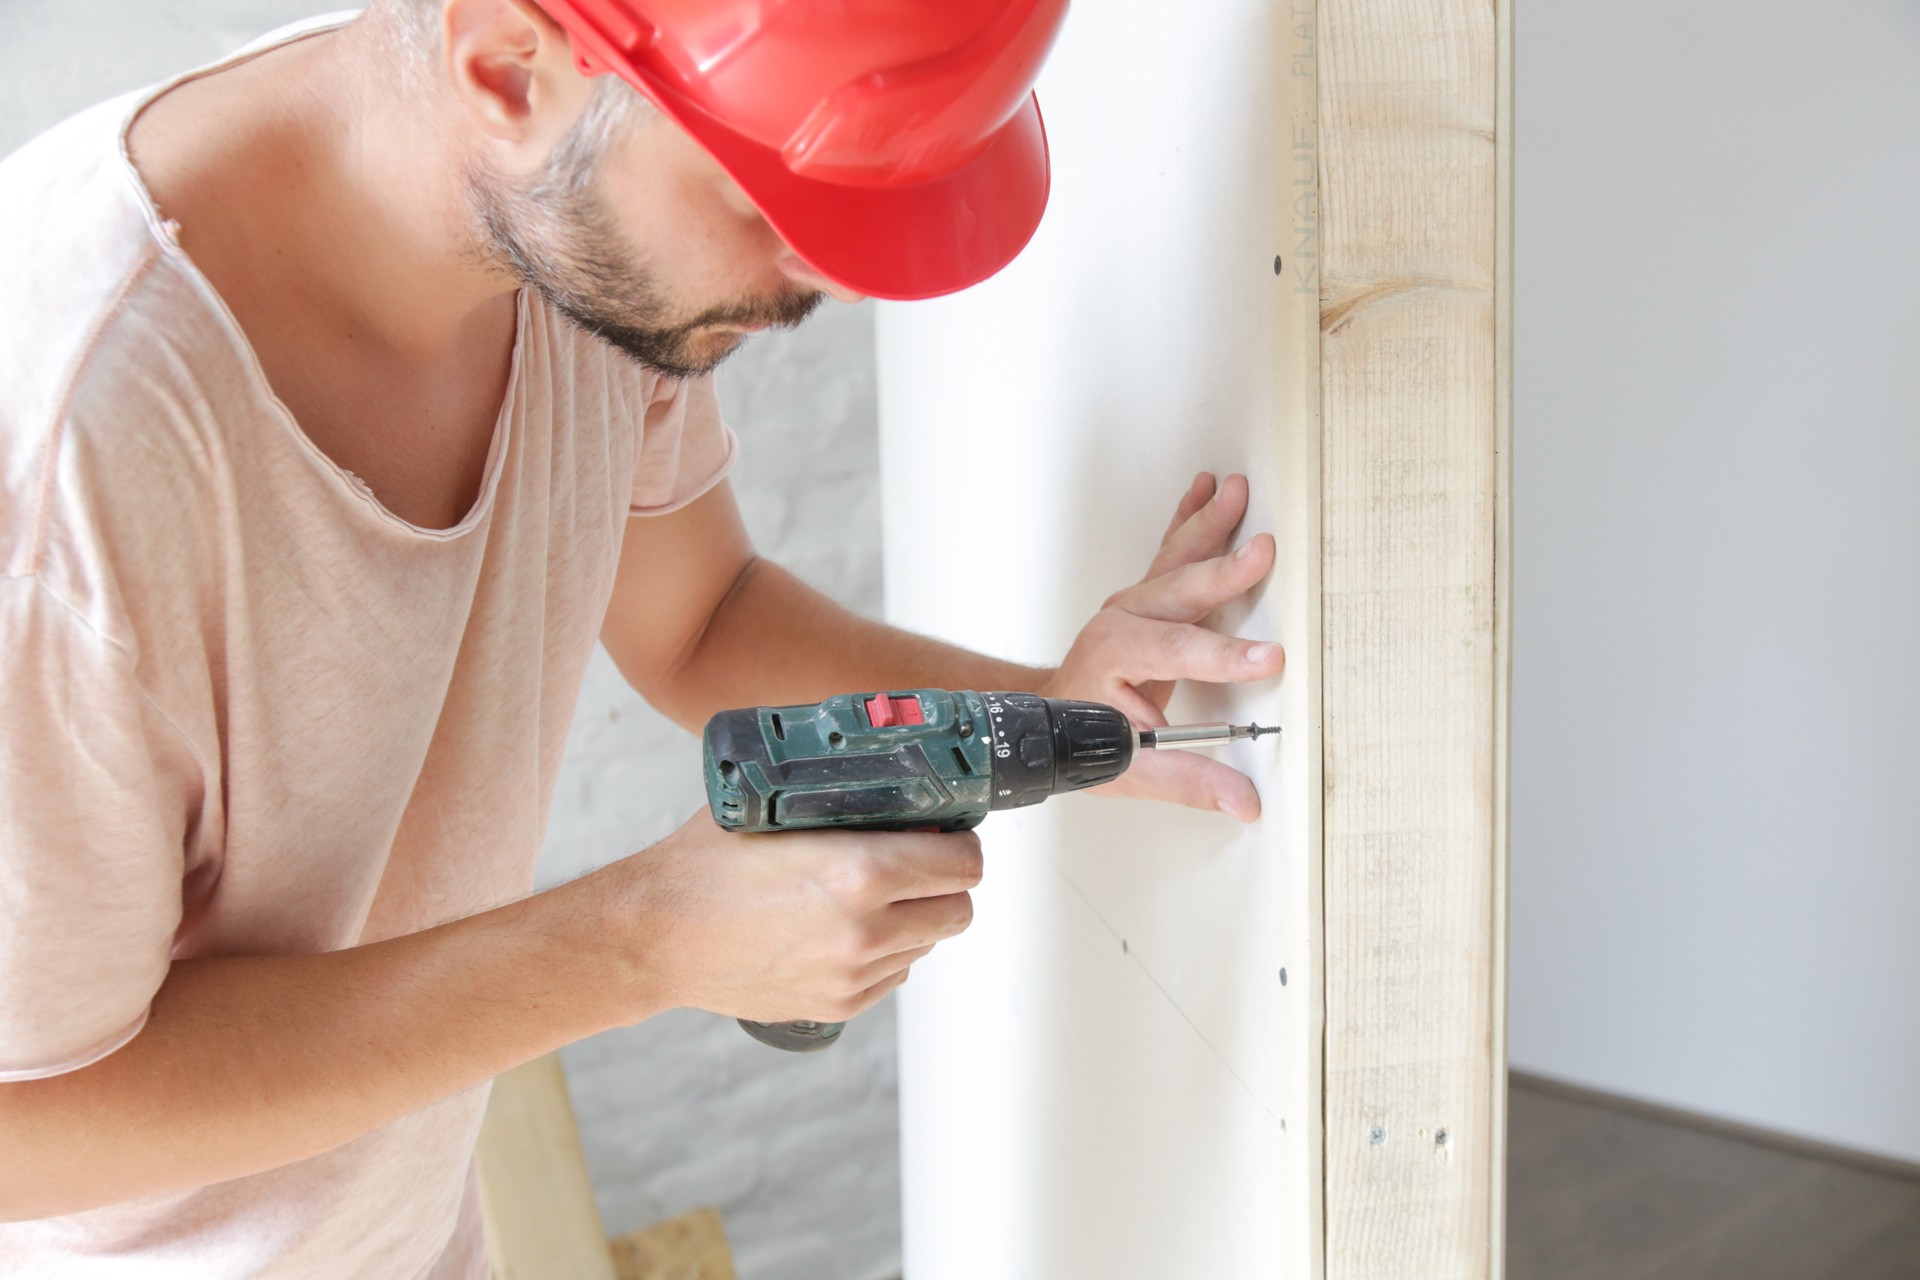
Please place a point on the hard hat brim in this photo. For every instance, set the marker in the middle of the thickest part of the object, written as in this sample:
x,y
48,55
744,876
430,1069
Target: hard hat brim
x,y
899,243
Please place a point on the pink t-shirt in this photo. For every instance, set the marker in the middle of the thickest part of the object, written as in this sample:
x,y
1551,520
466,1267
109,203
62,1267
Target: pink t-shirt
x,y
248,710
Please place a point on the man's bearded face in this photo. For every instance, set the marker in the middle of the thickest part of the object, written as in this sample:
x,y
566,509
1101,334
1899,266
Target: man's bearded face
x,y
557,234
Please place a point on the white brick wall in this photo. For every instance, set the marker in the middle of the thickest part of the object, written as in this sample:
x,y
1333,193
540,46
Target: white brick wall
x,y
800,1153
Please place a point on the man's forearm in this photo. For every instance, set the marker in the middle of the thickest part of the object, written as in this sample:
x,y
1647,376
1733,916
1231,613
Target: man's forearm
x,y
251,1062
776,641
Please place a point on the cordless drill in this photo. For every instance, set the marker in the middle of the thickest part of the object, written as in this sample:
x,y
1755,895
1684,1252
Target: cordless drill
x,y
914,760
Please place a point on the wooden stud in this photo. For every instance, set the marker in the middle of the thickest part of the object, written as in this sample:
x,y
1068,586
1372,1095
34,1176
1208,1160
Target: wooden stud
x,y
535,1195
1415,131
1298,577
1502,618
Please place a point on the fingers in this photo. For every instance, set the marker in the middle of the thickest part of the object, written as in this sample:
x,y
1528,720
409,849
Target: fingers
x,y
1197,495
922,922
1135,706
872,957
1192,780
845,1008
887,966
1206,530
1192,591
934,920
875,994
1141,649
881,867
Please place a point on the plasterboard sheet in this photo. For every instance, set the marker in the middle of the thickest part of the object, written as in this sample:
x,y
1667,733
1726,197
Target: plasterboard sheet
x,y
1096,1078
1064,1118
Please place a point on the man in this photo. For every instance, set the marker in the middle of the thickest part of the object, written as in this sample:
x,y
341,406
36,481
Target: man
x,y
354,386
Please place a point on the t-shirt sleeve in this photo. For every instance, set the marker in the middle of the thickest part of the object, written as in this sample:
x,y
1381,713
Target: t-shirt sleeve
x,y
95,785
685,447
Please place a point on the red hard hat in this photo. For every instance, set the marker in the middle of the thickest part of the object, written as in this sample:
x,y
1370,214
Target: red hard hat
x,y
895,145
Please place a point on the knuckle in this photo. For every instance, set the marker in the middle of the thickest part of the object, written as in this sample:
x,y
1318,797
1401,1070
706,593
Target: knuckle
x,y
1214,651
1200,587
878,938
859,943
854,878
1100,631
1178,643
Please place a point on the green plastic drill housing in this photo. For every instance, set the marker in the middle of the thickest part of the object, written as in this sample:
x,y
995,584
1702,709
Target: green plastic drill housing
x,y
902,760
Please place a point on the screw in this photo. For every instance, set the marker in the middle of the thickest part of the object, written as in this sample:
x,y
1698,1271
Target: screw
x,y
1276,264
1441,1137
1283,977
1378,1135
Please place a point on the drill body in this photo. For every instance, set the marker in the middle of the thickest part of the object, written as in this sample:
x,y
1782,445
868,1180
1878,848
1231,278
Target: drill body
x,y
917,760
913,760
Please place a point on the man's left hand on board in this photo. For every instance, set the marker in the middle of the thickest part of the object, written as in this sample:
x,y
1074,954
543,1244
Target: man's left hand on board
x,y
1148,636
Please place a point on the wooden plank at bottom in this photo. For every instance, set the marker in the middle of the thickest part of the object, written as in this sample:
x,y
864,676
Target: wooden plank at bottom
x,y
535,1195
690,1247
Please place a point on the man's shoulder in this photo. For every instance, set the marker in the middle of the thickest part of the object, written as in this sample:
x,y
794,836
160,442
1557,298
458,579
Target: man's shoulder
x,y
70,212
75,241
109,344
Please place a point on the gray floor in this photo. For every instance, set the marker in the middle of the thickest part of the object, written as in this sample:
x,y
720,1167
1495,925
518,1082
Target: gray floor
x,y
1598,1192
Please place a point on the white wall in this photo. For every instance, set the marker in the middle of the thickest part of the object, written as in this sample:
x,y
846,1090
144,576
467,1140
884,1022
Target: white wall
x,y
684,1110
1716,778
1105,1077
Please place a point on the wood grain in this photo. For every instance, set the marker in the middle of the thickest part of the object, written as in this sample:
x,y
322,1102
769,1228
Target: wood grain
x,y
1502,620
1415,654
534,1191
1298,468
690,1247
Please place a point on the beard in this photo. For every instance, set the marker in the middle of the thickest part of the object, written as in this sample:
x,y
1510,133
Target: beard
x,y
556,235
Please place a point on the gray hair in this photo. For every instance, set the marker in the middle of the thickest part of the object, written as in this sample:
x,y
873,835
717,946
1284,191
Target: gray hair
x,y
413,27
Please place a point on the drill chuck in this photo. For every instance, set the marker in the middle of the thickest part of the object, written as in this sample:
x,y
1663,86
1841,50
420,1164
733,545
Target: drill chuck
x,y
1044,746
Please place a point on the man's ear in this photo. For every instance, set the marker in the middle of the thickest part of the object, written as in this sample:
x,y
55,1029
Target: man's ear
x,y
510,68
